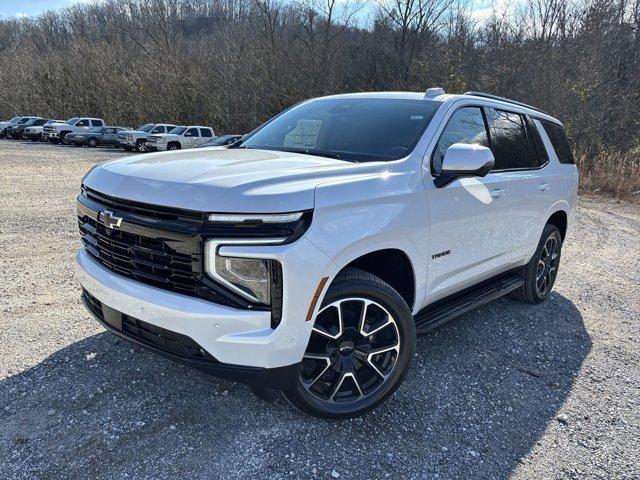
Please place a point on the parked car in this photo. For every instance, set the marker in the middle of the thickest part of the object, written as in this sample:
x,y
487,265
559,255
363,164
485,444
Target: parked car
x,y
56,132
221,141
16,130
35,133
137,139
4,124
8,125
180,138
96,136
307,257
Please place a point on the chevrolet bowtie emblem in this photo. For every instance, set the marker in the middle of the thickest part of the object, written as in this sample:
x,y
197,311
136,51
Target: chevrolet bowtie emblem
x,y
109,219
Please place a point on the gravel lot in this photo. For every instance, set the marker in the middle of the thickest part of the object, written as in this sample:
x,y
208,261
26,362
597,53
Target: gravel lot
x,y
510,390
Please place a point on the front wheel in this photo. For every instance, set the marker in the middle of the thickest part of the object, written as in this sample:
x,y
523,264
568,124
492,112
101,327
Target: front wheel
x,y
93,142
360,348
541,271
141,146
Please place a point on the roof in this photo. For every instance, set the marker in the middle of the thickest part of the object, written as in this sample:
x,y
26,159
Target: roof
x,y
451,98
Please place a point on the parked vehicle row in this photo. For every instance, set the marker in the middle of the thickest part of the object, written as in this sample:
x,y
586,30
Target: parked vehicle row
x,y
93,132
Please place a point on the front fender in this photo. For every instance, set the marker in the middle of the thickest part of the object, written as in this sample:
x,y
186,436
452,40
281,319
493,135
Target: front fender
x,y
362,215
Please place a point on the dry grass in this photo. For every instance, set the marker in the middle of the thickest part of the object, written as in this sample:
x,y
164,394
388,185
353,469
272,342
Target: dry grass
x,y
612,173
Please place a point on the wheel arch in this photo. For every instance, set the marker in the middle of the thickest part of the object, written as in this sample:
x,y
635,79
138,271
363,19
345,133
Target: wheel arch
x,y
560,219
393,266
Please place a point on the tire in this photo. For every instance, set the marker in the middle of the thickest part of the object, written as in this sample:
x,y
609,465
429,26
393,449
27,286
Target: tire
x,y
340,377
173,146
141,146
62,137
93,142
541,271
55,141
128,148
35,139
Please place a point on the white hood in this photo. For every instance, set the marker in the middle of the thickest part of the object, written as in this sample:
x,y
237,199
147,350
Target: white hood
x,y
224,180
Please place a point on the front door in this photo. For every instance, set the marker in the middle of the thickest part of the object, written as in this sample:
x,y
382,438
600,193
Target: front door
x,y
469,217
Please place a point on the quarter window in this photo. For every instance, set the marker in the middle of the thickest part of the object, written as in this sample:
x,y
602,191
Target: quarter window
x,y
509,141
559,141
466,125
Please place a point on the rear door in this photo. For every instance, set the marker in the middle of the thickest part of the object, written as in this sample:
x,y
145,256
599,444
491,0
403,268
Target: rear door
x,y
521,161
109,136
206,134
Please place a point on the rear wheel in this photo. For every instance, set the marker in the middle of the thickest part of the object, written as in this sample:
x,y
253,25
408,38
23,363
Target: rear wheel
x,y
360,348
541,271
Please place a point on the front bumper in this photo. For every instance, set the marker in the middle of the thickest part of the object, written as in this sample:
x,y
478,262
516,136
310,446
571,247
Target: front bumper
x,y
233,336
184,350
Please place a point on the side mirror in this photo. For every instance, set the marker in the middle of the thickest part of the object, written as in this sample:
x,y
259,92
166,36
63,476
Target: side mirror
x,y
464,160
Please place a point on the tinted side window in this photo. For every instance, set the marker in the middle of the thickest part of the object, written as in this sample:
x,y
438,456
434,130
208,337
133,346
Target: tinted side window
x,y
538,149
509,141
465,126
205,132
158,130
97,123
40,122
192,132
559,141
83,123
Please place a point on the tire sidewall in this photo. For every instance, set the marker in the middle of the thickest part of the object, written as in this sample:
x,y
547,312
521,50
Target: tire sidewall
x,y
548,232
391,300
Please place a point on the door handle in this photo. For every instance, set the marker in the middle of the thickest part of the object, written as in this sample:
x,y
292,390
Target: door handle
x,y
543,187
498,192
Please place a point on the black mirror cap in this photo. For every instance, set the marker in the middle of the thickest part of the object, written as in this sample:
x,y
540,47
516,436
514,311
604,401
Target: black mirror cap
x,y
445,178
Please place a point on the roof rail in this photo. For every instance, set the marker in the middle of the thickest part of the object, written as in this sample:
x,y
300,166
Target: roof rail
x,y
503,99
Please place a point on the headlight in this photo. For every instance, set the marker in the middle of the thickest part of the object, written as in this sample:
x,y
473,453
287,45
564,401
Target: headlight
x,y
252,278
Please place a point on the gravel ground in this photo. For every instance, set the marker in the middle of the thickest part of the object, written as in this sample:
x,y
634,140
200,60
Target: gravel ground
x,y
510,390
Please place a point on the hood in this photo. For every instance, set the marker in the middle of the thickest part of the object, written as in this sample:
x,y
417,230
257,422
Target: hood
x,y
165,136
133,132
223,180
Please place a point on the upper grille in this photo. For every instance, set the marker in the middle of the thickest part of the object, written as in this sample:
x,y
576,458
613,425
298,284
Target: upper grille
x,y
161,258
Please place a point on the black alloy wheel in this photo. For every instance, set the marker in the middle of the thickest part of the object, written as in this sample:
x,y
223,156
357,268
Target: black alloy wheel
x,y
360,348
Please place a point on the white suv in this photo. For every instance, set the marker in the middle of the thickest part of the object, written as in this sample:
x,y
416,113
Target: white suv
x,y
307,257
180,138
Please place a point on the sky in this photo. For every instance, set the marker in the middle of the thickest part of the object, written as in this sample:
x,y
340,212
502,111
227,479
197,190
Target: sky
x,y
20,8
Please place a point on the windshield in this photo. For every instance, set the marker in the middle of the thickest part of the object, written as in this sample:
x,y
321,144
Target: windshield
x,y
72,120
177,130
23,120
147,127
14,119
357,129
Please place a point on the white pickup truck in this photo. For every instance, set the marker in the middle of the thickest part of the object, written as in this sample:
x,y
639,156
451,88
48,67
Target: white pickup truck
x,y
137,139
306,257
180,138
56,132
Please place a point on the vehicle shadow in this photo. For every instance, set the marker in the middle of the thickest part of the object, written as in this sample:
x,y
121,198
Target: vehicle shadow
x,y
482,391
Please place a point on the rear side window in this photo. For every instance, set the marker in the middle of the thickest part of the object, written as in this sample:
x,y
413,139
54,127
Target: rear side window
x,y
509,141
97,123
205,132
559,141
539,152
466,125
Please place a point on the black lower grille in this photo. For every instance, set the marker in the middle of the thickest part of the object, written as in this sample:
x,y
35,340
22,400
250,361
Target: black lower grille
x,y
160,338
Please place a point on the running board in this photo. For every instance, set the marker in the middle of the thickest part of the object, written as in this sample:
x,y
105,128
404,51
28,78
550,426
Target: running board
x,y
442,311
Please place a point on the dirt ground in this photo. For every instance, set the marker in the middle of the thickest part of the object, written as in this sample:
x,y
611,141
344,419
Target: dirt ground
x,y
510,390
